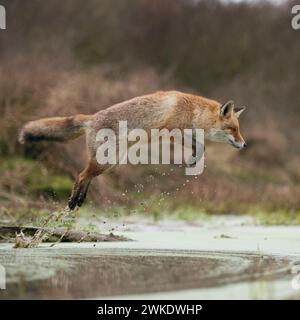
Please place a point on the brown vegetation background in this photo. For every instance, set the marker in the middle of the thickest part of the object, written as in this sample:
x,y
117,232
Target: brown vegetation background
x,y
67,57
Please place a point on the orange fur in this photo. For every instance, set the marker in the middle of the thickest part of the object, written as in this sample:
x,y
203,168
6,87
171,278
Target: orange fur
x,y
163,109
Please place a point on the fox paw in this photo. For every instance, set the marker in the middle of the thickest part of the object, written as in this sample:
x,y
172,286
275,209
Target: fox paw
x,y
77,199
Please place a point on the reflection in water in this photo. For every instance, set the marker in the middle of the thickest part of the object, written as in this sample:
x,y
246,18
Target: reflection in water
x,y
84,276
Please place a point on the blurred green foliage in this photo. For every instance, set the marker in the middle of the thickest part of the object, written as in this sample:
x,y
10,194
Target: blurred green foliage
x,y
18,173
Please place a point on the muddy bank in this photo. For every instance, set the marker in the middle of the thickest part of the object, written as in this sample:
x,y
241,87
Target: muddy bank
x,y
8,234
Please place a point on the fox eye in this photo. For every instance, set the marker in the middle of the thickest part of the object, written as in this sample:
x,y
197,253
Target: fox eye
x,y
232,129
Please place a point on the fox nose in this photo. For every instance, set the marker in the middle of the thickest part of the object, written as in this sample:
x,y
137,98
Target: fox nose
x,y
244,145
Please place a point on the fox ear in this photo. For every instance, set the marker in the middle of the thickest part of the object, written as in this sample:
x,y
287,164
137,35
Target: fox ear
x,y
227,109
238,111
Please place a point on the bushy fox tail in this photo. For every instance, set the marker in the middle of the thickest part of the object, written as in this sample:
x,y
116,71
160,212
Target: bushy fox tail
x,y
54,129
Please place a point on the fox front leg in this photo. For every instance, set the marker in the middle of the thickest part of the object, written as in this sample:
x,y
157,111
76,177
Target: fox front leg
x,y
198,150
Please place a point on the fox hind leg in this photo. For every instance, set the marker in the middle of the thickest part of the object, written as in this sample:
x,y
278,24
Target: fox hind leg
x,y
82,183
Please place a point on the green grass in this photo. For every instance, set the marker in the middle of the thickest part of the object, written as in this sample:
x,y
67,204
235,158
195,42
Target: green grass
x,y
91,215
278,217
263,215
29,177
153,213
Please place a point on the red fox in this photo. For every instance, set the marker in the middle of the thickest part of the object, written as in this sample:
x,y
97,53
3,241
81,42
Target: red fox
x,y
163,109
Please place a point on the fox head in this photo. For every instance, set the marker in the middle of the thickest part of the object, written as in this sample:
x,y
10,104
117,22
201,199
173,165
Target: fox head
x,y
226,128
